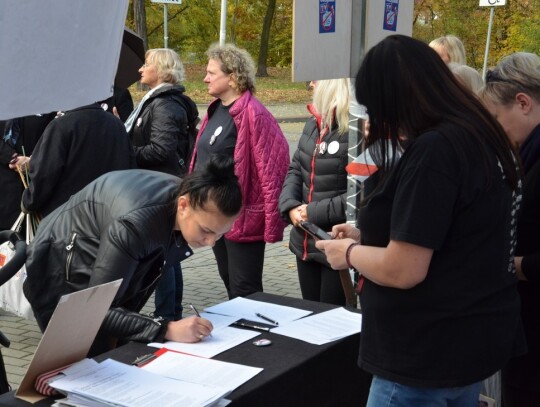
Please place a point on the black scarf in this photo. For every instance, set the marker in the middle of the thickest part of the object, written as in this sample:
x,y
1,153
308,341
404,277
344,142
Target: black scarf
x,y
529,151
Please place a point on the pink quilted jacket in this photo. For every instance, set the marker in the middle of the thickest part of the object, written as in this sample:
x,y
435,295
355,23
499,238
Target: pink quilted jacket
x,y
261,160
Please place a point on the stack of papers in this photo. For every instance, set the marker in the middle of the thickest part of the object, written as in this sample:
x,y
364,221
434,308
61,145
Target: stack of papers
x,y
111,383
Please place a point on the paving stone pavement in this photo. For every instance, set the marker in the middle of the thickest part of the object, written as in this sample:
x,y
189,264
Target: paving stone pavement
x,y
202,284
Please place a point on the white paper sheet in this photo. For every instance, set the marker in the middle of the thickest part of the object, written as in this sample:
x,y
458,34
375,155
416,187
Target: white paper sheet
x,y
200,370
58,54
124,385
247,309
221,340
324,327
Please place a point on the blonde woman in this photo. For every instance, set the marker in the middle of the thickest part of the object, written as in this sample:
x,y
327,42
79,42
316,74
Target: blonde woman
x,y
158,128
315,187
512,95
450,49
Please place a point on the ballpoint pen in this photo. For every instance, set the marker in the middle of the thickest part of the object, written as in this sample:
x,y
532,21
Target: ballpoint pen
x,y
251,325
197,313
267,319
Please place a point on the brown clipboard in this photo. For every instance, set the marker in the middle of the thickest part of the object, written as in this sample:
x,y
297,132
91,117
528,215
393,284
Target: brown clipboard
x,y
69,335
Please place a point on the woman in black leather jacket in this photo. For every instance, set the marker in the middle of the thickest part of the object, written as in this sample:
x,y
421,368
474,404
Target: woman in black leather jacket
x,y
130,225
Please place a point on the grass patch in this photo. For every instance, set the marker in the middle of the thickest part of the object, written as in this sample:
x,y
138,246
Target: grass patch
x,y
275,89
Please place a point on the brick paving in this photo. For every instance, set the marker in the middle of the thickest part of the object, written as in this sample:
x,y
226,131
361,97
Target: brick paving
x,y
202,284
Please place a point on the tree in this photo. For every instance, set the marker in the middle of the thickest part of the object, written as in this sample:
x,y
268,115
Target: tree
x,y
139,15
265,38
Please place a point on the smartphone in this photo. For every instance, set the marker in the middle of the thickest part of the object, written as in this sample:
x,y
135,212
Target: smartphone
x,y
314,231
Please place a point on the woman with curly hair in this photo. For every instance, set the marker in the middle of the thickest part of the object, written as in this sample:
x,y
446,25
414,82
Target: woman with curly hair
x,y
239,126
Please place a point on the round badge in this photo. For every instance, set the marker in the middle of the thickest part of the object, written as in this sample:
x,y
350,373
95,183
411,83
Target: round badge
x,y
262,342
322,147
104,106
333,147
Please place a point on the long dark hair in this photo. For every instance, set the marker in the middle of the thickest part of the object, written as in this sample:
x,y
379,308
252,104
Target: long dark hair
x,y
408,90
217,182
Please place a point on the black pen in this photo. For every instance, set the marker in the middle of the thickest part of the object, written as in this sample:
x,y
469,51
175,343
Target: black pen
x,y
195,310
267,319
250,325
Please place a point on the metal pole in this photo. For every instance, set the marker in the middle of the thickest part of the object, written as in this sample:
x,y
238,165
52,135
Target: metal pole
x,y
223,23
491,14
165,26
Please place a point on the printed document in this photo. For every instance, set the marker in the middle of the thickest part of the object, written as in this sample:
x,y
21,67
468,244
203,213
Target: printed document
x,y
114,383
221,340
200,370
243,308
324,327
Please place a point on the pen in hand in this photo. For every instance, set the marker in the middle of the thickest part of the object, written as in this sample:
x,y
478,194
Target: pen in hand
x,y
267,319
197,313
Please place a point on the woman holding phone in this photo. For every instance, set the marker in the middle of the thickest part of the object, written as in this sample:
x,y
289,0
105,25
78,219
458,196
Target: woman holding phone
x,y
315,187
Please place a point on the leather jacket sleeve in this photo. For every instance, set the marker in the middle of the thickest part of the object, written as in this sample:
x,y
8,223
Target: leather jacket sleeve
x,y
131,326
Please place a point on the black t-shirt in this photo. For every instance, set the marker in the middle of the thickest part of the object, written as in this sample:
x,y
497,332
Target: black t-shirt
x,y
218,136
459,325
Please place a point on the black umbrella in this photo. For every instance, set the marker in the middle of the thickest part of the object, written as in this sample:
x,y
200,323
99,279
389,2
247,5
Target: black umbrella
x,y
131,59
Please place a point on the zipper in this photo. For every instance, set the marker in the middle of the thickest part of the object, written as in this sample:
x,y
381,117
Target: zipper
x,y
69,249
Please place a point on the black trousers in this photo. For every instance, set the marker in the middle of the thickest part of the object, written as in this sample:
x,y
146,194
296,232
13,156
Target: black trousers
x,y
240,266
320,283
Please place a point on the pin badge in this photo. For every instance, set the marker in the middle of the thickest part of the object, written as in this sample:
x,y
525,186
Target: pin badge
x,y
104,106
217,132
262,342
139,122
322,148
333,147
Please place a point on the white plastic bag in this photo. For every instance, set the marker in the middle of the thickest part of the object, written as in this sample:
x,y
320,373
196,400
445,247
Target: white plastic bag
x,y
12,298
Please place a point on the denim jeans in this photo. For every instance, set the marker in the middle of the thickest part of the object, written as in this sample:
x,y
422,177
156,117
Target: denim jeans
x,y
169,293
384,393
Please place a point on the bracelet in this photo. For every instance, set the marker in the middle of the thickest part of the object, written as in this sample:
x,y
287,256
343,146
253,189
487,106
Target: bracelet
x,y
348,254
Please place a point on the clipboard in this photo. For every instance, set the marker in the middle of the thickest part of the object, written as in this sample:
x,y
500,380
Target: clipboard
x,y
69,335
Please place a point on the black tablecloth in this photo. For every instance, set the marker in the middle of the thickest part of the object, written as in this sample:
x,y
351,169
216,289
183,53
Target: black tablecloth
x,y
295,373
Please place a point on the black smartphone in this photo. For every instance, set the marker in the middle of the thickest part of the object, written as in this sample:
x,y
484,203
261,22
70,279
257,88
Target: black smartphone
x,y
314,231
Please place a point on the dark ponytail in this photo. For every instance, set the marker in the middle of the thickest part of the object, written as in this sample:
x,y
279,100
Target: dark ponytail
x,y
216,182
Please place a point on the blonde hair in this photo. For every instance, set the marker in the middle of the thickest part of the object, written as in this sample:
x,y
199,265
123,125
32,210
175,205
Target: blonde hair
x,y
518,72
168,64
453,47
236,61
467,76
331,100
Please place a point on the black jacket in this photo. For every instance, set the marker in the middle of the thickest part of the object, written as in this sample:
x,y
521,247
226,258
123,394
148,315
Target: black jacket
x,y
327,205
74,150
31,128
119,226
160,132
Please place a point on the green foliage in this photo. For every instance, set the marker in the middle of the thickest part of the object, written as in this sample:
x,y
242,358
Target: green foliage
x,y
515,26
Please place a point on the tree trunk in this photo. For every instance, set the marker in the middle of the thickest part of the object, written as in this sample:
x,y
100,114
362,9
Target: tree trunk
x,y
139,14
265,38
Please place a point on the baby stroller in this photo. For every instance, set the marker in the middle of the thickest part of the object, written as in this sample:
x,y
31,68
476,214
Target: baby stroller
x,y
6,272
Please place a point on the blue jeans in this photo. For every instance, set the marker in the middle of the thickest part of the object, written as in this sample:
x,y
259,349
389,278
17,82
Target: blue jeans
x,y
384,393
169,293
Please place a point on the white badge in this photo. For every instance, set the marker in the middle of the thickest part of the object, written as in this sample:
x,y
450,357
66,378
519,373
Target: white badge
x,y
322,147
333,147
139,122
104,106
216,134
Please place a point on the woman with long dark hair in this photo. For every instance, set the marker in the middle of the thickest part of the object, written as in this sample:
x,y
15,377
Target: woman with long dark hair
x,y
436,233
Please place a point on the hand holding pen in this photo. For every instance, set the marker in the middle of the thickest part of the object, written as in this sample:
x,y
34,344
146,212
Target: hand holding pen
x,y
201,335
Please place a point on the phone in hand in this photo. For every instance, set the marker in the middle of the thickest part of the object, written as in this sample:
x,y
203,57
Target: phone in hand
x,y
314,231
